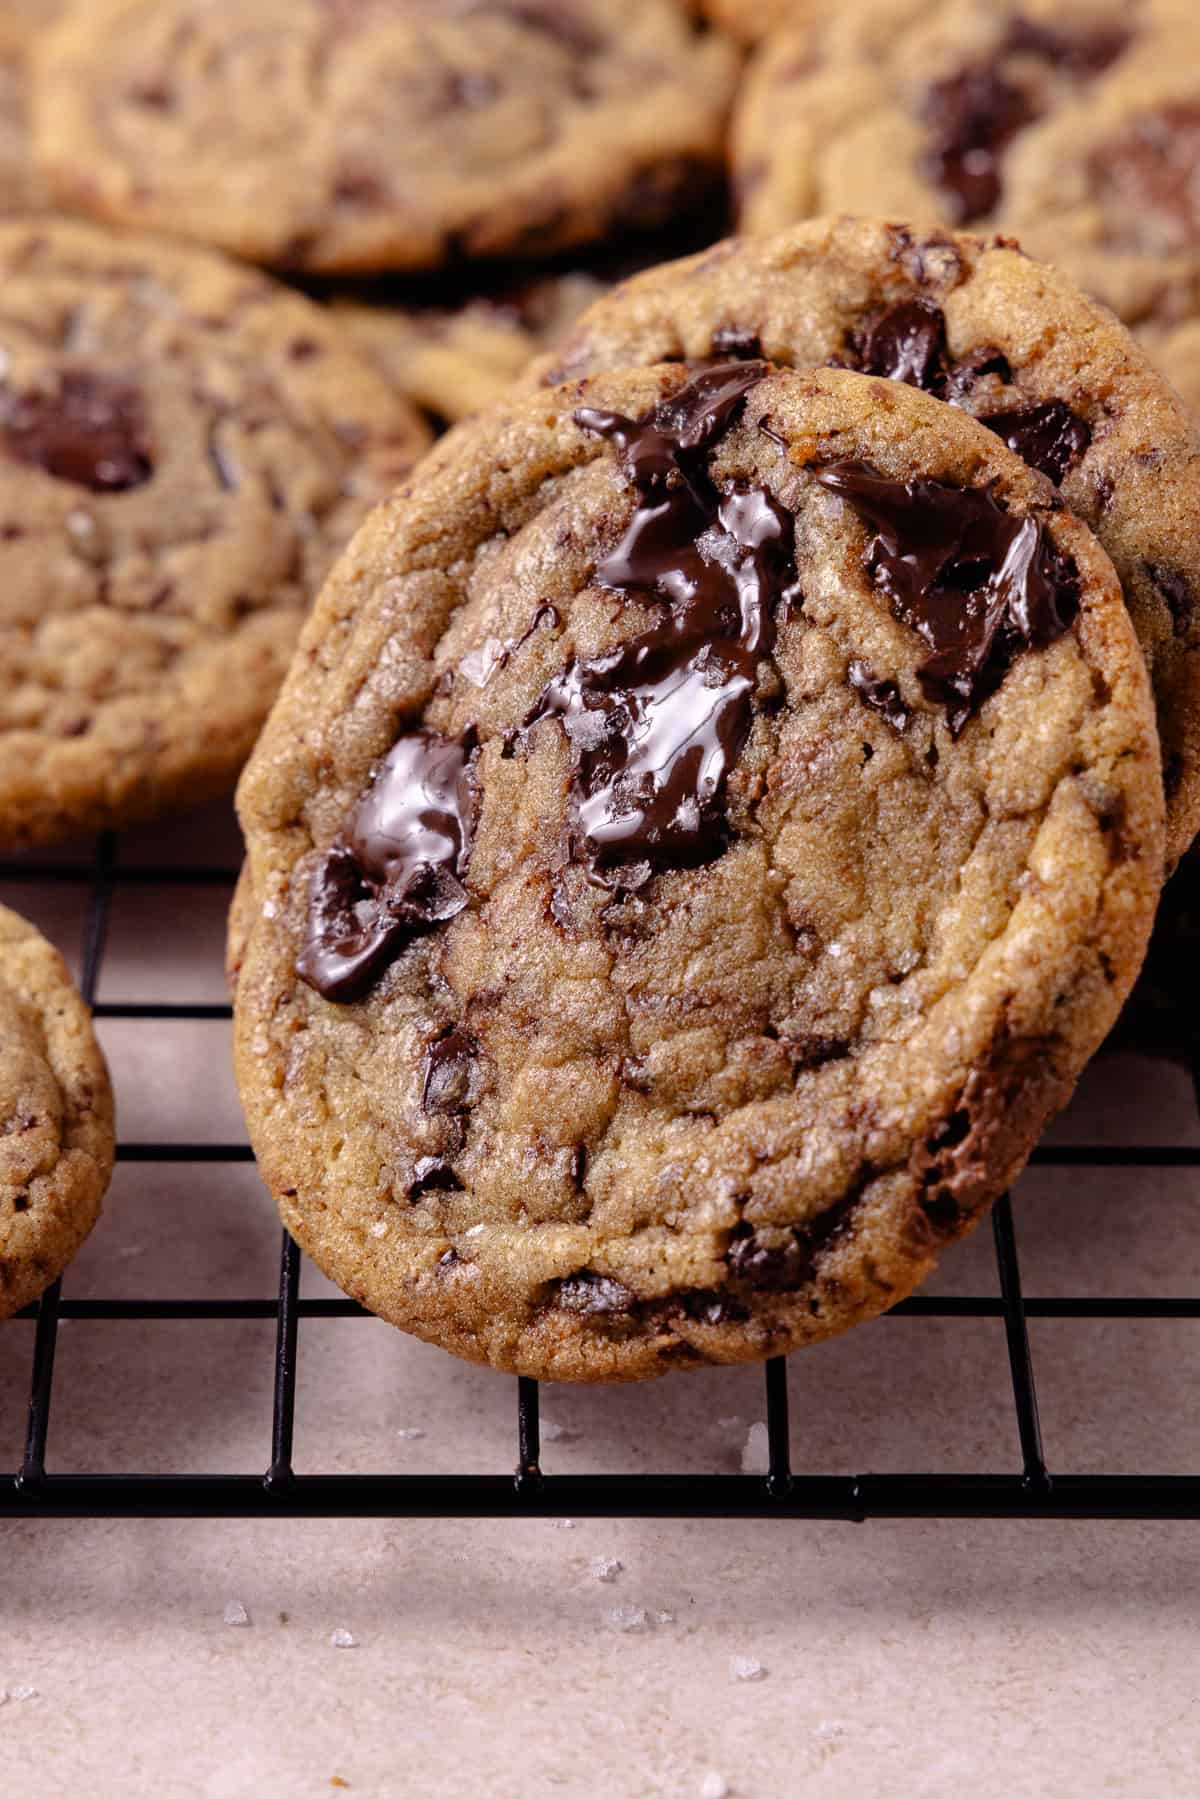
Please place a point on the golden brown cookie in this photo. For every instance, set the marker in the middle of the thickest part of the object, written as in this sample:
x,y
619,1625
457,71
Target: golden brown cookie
x,y
376,134
56,1116
710,821
1014,342
1074,124
1175,349
184,448
20,188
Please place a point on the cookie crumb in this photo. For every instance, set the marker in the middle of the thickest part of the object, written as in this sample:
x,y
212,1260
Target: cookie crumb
x,y
756,1452
606,1567
235,1612
745,1667
343,1639
628,1618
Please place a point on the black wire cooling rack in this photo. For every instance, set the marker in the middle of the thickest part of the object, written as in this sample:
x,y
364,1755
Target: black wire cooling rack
x,y
1030,1490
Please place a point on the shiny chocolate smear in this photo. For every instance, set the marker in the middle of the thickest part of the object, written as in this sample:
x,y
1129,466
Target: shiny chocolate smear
x,y
450,1076
880,695
976,583
656,724
397,868
90,430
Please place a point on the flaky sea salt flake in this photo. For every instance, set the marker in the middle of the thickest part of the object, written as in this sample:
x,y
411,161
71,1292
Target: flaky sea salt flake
x,y
714,1786
629,1619
606,1567
746,1667
235,1612
343,1639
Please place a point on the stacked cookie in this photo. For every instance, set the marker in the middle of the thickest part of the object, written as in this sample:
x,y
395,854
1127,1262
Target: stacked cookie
x,y
722,792
718,807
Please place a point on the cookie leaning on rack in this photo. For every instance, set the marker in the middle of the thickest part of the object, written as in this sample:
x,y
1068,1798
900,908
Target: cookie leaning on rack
x,y
710,822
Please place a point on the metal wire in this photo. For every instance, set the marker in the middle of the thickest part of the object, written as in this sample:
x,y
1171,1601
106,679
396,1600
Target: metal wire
x,y
1028,1491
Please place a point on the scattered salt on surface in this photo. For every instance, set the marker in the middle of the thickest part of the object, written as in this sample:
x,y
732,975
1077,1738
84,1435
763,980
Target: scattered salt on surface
x,y
730,1421
235,1612
564,1524
745,1667
627,1618
411,1433
343,1639
20,1692
129,1250
714,1786
476,1230
756,1452
556,1433
663,1617
606,1567
829,1730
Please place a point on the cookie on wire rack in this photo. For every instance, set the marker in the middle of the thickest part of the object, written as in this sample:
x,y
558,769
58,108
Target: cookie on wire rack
x,y
185,446
56,1116
710,821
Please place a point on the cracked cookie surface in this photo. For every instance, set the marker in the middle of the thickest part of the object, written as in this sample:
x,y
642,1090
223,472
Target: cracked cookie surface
x,y
184,448
375,134
1010,340
1073,123
56,1116
715,816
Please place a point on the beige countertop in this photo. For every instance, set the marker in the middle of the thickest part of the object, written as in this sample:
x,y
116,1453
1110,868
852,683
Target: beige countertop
x,y
920,1658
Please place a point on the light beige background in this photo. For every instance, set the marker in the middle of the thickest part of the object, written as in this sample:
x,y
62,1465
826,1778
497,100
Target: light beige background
x,y
909,1658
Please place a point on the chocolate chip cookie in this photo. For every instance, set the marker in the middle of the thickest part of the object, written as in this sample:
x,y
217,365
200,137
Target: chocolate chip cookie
x,y
453,360
22,20
1073,123
56,1116
375,134
711,818
752,20
184,448
975,322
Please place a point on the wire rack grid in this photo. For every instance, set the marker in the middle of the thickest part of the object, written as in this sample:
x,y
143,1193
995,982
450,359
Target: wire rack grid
x,y
1028,1490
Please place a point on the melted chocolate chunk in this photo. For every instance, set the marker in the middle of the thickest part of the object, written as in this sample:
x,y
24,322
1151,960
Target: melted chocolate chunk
x,y
397,868
91,430
451,1074
976,583
881,696
1178,593
775,1268
731,341
1050,438
657,723
973,117
908,343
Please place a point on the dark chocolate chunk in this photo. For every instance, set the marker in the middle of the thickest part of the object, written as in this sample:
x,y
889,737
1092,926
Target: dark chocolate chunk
x,y
773,1267
1050,438
90,430
1178,593
589,1293
976,583
451,1074
973,117
397,868
881,696
657,723
733,342
433,1174
908,343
